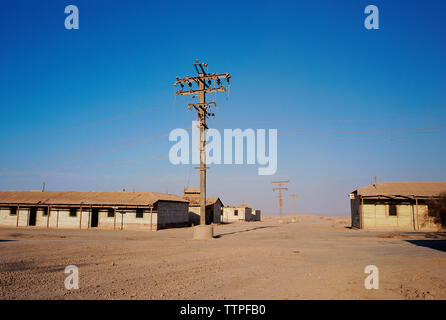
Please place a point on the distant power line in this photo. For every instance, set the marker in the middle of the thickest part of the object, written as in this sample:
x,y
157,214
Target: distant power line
x,y
408,130
89,124
94,165
288,121
90,153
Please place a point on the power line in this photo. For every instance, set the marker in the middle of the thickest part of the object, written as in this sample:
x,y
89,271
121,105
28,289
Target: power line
x,y
90,153
285,122
87,153
152,138
89,124
95,165
384,131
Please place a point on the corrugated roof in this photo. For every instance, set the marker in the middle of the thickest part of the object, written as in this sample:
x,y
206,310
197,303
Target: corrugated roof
x,y
407,189
86,197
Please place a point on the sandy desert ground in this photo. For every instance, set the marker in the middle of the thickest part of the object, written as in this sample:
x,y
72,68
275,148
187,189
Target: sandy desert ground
x,y
315,258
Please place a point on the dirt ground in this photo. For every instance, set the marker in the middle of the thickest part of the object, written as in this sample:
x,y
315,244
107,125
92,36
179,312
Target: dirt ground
x,y
315,258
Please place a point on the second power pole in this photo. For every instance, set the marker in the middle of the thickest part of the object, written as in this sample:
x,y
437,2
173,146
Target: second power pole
x,y
280,187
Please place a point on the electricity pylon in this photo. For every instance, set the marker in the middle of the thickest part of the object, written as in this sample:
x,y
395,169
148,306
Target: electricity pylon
x,y
280,187
207,83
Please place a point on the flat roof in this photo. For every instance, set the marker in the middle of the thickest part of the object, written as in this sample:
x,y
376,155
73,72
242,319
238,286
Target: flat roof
x,y
405,189
112,198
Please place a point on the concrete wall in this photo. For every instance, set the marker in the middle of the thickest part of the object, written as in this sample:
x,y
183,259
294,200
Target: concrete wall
x,y
6,219
194,213
257,215
248,214
127,220
23,214
172,214
194,216
169,214
374,215
244,214
217,212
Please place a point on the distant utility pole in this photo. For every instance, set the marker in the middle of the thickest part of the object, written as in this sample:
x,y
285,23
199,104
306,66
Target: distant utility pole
x,y
207,83
280,187
294,196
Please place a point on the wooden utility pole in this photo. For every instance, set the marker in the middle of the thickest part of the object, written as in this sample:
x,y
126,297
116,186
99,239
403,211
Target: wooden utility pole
x,y
294,196
207,83
280,187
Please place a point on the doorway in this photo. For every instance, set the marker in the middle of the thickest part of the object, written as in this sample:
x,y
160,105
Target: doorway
x,y
94,218
209,218
32,216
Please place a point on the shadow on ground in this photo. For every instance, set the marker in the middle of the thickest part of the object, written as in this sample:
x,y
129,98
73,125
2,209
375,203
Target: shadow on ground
x,y
246,230
433,244
7,240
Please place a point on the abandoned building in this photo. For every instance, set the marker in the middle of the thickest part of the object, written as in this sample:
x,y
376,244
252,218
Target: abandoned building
x,y
394,205
92,209
240,213
256,215
213,207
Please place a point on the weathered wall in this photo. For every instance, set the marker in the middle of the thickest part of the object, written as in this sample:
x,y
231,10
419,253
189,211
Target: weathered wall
x,y
257,215
409,216
6,219
423,221
194,214
217,212
248,214
128,220
228,215
172,214
244,214
42,220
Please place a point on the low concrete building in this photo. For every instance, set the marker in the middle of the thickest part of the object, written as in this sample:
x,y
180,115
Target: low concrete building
x,y
213,207
394,205
237,213
92,209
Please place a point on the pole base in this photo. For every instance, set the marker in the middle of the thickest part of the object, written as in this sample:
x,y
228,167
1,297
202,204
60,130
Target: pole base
x,y
280,221
203,232
293,220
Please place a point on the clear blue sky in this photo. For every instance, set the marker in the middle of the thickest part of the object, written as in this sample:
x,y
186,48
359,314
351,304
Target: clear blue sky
x,y
298,66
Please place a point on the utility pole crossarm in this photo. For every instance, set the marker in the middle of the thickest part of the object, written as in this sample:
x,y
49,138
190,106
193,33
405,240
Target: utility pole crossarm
x,y
206,78
211,90
275,189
